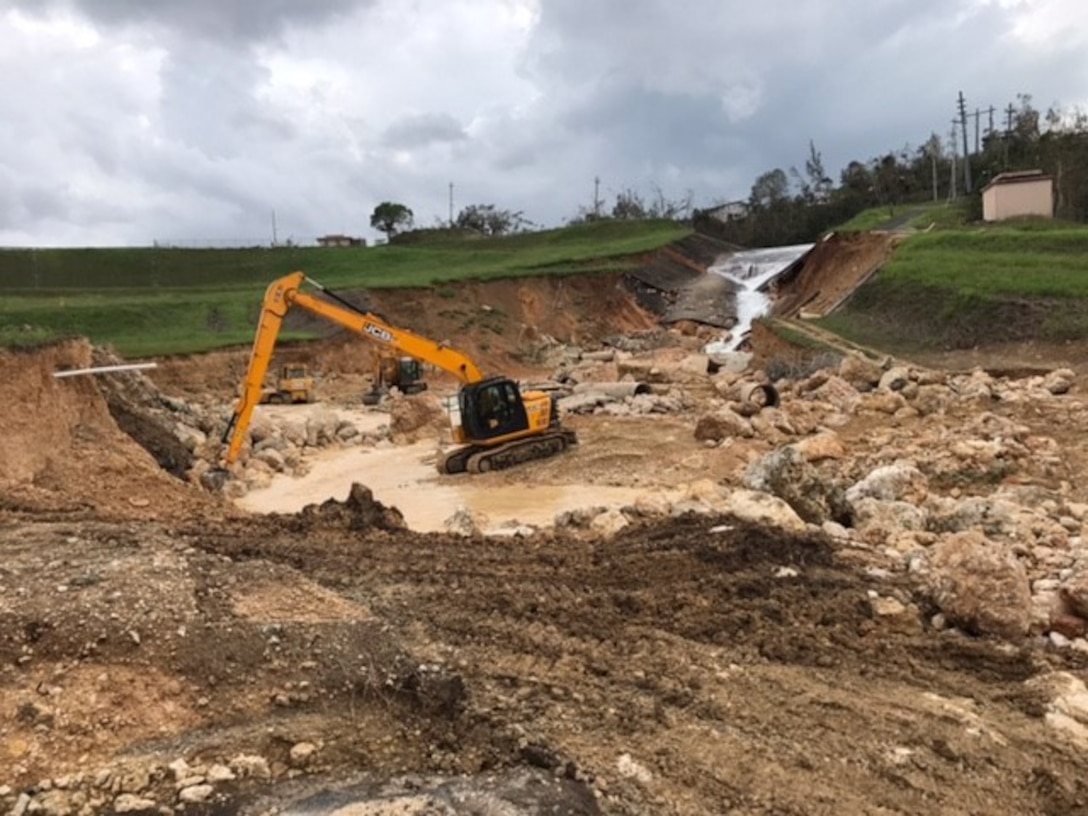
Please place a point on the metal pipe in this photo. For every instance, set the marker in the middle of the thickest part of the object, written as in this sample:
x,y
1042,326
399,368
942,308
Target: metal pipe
x,y
75,372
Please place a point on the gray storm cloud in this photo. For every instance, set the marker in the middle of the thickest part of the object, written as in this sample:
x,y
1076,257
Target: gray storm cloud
x,y
241,21
128,121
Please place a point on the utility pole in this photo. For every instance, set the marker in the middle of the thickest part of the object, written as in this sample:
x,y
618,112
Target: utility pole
x,y
274,240
933,163
966,149
596,196
978,113
1010,111
451,203
952,186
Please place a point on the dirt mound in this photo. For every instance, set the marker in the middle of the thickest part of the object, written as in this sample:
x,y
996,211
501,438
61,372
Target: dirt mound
x,y
64,450
359,512
415,417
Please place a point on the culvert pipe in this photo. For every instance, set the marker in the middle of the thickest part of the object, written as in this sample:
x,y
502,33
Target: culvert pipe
x,y
617,390
759,395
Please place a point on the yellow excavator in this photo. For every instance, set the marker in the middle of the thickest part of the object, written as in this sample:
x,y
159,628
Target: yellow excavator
x,y
395,371
497,425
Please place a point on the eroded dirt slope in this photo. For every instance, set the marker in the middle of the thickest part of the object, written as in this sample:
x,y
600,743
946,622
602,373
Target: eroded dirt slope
x,y
506,326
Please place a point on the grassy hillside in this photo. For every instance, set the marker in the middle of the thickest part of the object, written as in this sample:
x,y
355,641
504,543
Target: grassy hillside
x,y
165,301
917,216
972,286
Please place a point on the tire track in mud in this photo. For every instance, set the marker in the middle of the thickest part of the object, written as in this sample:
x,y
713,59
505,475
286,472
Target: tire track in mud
x,y
693,664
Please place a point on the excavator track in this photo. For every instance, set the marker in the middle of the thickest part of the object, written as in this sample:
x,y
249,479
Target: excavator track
x,y
482,459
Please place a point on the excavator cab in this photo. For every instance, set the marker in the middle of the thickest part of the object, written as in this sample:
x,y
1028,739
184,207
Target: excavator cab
x,y
492,408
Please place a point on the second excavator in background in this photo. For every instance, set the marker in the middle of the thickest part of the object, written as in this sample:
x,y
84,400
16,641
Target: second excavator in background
x,y
494,425
394,371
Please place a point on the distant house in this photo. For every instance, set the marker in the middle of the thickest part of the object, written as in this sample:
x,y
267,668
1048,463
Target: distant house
x,y
728,211
340,241
1012,195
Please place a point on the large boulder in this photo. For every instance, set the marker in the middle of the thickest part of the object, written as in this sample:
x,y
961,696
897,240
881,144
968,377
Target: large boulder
x,y
895,379
980,586
321,427
1060,381
861,372
932,398
763,508
1074,593
900,481
821,446
878,521
1067,707
721,425
786,473
839,394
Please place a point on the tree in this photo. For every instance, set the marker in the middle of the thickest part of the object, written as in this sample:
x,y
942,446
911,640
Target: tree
x,y
390,218
487,219
771,188
888,181
819,184
629,204
674,210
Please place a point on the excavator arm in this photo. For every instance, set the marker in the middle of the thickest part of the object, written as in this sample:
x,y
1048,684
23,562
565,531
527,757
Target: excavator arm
x,y
285,294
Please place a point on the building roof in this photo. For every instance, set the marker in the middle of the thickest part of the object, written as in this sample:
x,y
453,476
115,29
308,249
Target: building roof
x,y
1018,177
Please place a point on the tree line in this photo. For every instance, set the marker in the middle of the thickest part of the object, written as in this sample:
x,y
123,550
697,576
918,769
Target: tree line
x,y
397,221
797,207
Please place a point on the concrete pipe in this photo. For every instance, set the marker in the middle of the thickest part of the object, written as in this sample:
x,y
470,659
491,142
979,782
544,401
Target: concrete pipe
x,y
759,395
617,390
606,356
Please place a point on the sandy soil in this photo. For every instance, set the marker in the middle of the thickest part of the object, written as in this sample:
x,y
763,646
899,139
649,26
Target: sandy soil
x,y
688,665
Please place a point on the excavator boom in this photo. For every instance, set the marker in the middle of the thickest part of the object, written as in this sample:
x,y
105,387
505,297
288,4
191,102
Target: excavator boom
x,y
286,293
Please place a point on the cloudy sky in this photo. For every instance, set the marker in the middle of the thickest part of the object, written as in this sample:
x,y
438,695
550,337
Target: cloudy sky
x,y
192,121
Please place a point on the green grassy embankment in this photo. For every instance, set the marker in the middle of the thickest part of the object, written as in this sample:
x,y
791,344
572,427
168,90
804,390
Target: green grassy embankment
x,y
169,301
918,216
974,286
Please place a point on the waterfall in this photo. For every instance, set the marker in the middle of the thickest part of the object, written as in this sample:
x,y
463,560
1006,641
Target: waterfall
x,y
752,271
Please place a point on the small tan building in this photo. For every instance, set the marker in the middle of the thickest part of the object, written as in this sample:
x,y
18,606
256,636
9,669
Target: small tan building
x,y
340,241
1014,195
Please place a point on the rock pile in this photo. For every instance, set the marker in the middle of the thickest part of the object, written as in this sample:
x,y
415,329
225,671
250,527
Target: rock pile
x,y
971,503
281,447
150,787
